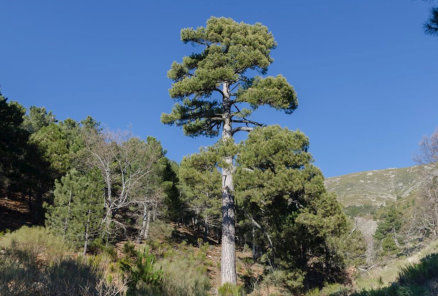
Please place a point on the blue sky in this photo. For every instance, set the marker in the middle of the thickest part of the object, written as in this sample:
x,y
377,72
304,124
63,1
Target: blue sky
x,y
365,72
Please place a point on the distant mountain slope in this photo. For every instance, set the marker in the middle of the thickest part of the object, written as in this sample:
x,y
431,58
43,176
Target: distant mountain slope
x,y
375,188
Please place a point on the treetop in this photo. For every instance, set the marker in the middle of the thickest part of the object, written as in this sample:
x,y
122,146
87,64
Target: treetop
x,y
223,78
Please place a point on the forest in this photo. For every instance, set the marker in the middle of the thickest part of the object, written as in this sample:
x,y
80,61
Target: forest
x,y
86,210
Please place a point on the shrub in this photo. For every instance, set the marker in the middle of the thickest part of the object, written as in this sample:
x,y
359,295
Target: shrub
x,y
228,289
140,271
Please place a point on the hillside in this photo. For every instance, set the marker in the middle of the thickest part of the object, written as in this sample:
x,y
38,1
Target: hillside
x,y
375,188
364,194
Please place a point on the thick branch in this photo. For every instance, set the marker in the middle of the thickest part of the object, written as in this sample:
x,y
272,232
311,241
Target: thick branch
x,y
241,128
220,91
247,121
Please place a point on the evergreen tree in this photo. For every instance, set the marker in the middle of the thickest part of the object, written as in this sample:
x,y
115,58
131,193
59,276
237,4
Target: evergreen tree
x,y
282,194
62,144
200,183
174,205
387,232
21,160
77,210
13,141
37,118
216,90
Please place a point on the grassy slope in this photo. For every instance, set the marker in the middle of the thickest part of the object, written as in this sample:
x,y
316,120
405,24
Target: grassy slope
x,y
375,188
414,275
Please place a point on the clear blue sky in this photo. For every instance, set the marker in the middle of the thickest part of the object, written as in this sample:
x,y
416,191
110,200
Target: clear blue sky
x,y
365,72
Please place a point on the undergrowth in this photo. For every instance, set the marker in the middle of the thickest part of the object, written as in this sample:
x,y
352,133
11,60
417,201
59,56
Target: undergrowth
x,y
413,280
35,262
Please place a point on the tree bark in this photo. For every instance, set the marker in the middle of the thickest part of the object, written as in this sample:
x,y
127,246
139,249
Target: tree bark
x,y
154,211
108,203
144,224
87,234
206,230
107,223
228,258
148,222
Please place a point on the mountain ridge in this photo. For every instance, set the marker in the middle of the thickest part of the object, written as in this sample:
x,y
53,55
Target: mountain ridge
x,y
376,187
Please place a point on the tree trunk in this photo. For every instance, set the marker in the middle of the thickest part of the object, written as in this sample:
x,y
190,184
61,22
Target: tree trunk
x,y
143,224
107,222
228,258
108,204
154,211
206,229
68,215
148,222
87,230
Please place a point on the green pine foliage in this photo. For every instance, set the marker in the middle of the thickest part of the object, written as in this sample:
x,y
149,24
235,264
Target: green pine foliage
x,y
77,208
61,143
387,233
229,50
300,225
138,266
200,184
13,144
432,25
173,204
37,118
21,161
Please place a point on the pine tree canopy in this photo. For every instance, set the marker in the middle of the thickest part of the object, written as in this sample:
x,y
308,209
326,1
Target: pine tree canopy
x,y
282,194
432,25
231,54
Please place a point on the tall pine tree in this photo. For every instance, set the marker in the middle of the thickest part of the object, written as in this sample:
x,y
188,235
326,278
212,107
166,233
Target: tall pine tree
x,y
217,89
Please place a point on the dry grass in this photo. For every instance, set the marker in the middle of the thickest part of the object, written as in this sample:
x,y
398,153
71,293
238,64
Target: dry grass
x,y
34,262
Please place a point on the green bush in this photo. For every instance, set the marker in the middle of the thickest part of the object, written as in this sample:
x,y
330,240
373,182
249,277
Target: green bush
x,y
331,290
140,271
228,289
389,246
